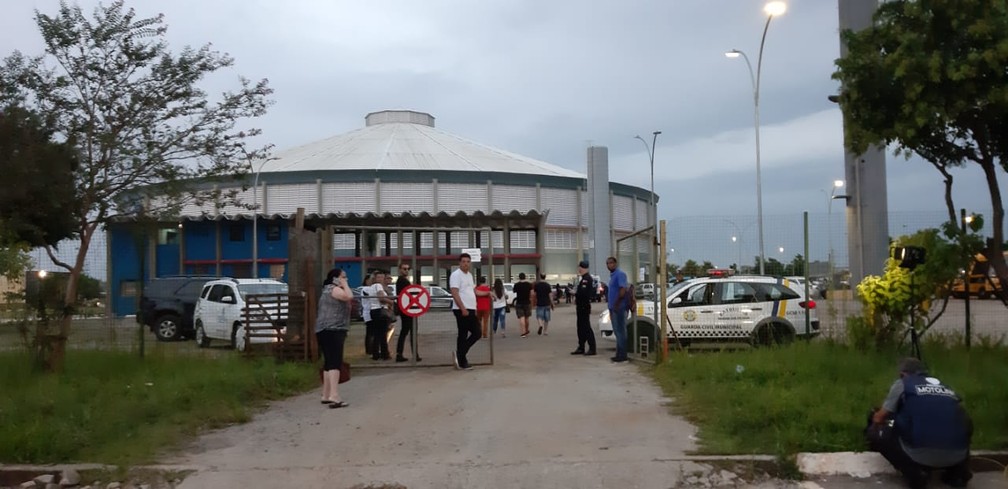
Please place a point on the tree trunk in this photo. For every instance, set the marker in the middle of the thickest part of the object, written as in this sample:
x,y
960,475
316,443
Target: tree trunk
x,y
57,348
995,246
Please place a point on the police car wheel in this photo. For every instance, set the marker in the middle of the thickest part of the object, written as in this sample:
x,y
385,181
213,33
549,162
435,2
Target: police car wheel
x,y
772,334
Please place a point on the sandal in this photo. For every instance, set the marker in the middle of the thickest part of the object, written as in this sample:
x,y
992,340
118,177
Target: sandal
x,y
337,405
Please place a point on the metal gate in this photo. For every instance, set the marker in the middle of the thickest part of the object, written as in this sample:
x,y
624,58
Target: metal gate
x,y
642,256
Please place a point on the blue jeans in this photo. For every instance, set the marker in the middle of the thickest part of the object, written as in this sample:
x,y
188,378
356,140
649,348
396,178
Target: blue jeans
x,y
618,319
499,316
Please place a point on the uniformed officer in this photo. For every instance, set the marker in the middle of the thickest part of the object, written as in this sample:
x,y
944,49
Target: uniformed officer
x,y
922,426
582,304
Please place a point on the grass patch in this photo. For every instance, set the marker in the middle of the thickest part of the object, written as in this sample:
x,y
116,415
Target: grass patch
x,y
813,397
116,408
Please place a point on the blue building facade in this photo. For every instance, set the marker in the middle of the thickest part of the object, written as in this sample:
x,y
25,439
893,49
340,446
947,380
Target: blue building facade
x,y
192,247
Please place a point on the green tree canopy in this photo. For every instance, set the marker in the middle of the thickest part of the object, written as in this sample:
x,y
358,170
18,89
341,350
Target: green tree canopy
x,y
929,78
38,204
147,137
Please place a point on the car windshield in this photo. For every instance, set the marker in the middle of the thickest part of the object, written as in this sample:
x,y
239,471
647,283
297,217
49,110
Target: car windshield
x,y
264,288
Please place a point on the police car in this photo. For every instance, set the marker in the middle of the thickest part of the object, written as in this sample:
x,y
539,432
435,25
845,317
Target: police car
x,y
757,309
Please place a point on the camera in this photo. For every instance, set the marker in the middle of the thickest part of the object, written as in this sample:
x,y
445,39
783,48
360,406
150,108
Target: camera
x,y
909,256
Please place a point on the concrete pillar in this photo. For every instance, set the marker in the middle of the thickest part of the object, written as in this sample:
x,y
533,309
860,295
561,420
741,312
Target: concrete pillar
x,y
867,205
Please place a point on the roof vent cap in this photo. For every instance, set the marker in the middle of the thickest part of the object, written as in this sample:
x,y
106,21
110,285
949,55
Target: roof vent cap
x,y
399,116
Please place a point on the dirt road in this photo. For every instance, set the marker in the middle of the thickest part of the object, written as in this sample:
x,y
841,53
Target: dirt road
x,y
539,417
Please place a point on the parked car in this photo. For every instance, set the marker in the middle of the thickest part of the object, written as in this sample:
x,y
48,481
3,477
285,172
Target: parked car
x,y
167,305
218,313
756,309
509,293
440,298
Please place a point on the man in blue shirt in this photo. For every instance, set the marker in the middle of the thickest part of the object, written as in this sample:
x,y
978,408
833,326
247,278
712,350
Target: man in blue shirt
x,y
617,300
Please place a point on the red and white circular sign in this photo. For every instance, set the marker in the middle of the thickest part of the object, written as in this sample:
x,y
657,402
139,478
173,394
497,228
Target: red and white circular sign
x,y
414,300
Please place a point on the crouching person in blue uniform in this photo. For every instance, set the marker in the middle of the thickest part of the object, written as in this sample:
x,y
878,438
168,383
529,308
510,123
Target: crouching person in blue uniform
x,y
921,427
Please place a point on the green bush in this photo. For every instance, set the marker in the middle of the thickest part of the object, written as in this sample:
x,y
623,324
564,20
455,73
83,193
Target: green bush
x,y
901,298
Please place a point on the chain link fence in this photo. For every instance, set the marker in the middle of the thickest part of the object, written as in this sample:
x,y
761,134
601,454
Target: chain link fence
x,y
694,245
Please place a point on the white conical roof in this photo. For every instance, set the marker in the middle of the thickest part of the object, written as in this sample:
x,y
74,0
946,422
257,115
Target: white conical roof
x,y
406,140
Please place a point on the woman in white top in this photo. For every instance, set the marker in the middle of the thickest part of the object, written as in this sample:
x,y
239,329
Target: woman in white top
x,y
499,306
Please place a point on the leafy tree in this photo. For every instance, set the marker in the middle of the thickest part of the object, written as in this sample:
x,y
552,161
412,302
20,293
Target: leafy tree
x,y
929,78
14,259
37,206
773,267
797,266
692,268
143,130
88,288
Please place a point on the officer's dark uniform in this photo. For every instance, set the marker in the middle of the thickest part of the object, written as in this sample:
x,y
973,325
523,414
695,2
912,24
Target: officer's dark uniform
x,y
582,304
929,417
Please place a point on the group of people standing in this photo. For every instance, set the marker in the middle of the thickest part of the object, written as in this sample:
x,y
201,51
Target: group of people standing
x,y
380,311
473,307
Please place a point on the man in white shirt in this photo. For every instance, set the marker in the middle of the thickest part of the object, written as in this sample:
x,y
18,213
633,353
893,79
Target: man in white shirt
x,y
463,290
378,299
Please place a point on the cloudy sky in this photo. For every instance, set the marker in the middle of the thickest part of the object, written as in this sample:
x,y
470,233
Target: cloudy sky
x,y
547,78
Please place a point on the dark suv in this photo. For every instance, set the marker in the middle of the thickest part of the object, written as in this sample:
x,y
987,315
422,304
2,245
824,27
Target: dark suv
x,y
167,304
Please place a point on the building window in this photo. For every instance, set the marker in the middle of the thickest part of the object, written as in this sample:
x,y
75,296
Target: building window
x,y
344,241
237,232
522,240
128,288
168,236
560,239
273,232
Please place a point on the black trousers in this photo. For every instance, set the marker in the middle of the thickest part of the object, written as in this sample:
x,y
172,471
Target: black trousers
x,y
469,333
405,328
330,341
378,329
584,330
885,440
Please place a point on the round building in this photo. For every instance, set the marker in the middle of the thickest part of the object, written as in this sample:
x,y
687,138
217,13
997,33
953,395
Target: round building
x,y
396,190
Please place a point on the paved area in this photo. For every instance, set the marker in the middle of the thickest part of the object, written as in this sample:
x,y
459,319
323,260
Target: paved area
x,y
537,418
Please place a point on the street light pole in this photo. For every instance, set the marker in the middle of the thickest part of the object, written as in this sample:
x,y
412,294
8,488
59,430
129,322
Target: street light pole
x,y
652,214
737,238
255,221
829,224
772,9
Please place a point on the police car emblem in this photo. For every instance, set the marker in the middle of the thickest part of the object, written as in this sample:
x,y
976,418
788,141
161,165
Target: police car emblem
x,y
689,315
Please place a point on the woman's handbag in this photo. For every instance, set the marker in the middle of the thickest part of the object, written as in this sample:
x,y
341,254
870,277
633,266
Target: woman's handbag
x,y
344,373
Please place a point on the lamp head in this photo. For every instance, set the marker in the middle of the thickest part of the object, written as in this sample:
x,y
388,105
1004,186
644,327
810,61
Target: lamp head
x,y
774,9
734,53
838,183
909,257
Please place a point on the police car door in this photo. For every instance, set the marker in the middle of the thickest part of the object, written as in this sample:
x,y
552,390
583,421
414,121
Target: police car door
x,y
735,303
690,311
